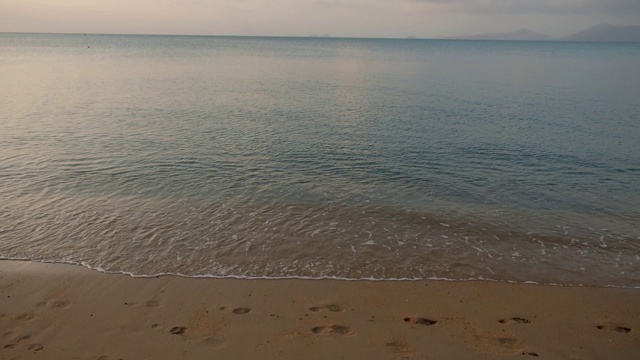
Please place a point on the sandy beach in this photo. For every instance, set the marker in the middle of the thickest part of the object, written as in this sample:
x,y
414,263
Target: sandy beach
x,y
53,311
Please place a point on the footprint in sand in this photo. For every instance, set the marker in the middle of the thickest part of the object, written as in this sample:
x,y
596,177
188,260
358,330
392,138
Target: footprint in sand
x,y
23,338
240,311
512,320
25,317
621,329
35,347
332,329
15,342
420,321
178,330
56,304
331,307
507,341
60,304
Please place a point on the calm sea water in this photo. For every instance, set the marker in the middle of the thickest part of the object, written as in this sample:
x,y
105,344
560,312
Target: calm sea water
x,y
341,158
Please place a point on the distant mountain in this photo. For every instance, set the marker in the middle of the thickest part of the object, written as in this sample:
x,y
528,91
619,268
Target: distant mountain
x,y
606,32
603,32
522,34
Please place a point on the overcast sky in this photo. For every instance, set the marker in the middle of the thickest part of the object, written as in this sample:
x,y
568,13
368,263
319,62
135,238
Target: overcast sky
x,y
358,18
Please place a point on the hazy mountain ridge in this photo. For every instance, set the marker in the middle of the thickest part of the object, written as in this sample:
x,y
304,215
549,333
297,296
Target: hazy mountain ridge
x,y
603,32
607,32
522,34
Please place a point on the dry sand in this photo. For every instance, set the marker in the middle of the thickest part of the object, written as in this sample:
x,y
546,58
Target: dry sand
x,y
52,311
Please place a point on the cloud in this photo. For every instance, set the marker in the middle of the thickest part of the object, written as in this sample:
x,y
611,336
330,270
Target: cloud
x,y
551,7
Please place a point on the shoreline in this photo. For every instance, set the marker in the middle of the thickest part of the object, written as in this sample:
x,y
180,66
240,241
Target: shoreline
x,y
311,278
59,311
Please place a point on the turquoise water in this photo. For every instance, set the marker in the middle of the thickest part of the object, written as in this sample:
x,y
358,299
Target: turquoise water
x,y
341,158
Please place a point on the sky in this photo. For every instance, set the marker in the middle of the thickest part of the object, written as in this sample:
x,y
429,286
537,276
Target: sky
x,y
346,18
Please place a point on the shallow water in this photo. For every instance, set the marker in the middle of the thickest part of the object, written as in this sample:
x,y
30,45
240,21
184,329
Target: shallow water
x,y
345,158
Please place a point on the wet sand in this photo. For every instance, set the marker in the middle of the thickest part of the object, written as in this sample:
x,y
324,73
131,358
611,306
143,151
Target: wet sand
x,y
53,311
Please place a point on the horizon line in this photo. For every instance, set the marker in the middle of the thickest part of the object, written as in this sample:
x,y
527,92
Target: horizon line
x,y
311,36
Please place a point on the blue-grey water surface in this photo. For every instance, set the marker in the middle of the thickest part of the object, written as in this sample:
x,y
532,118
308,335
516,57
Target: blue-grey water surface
x,y
342,158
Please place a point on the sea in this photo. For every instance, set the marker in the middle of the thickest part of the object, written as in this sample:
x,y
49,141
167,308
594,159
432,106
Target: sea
x,y
315,158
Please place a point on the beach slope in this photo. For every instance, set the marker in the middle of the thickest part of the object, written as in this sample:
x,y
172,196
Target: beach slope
x,y
53,311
